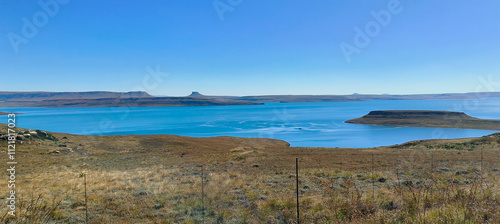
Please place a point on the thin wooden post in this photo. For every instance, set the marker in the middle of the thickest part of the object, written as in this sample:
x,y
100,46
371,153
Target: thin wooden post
x,y
373,180
202,195
86,208
297,187
32,200
482,167
432,162
399,181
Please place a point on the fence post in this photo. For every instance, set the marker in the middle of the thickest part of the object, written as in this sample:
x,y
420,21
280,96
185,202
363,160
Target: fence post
x,y
399,181
297,187
373,180
432,161
482,166
86,208
32,201
202,195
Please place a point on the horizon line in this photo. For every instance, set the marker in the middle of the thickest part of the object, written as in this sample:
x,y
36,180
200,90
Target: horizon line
x,y
200,94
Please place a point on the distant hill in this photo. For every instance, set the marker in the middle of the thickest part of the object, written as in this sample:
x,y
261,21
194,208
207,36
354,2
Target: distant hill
x,y
424,118
143,99
39,96
125,102
196,94
345,98
104,99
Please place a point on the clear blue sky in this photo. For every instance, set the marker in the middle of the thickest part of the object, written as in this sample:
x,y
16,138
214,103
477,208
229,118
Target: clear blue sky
x,y
258,47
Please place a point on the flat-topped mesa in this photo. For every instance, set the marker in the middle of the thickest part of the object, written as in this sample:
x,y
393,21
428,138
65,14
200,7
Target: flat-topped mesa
x,y
426,118
429,114
196,94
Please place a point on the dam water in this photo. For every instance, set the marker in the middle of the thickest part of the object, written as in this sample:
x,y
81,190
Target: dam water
x,y
300,124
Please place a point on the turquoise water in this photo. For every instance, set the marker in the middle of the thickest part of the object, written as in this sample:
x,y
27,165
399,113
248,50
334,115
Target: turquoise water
x,y
301,124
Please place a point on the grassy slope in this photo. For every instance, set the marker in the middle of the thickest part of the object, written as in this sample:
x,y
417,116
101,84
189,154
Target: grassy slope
x,y
417,118
156,179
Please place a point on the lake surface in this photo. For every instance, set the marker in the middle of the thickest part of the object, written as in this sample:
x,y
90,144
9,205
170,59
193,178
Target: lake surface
x,y
301,124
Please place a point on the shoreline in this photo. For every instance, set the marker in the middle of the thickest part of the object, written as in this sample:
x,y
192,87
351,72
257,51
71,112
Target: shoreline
x,y
3,126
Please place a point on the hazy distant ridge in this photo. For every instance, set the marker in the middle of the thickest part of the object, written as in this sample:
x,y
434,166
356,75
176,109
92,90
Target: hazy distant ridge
x,y
344,98
103,99
39,96
143,99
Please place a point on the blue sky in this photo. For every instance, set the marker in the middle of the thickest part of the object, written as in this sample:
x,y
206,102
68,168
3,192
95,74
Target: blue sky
x,y
254,47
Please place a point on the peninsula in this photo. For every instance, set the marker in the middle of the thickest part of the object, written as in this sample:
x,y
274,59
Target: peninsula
x,y
425,118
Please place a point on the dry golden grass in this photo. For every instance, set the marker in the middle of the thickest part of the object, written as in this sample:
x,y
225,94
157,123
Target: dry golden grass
x,y
157,179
